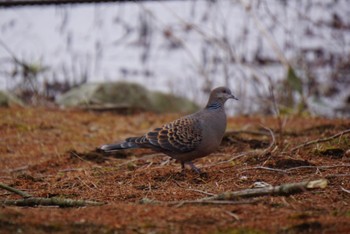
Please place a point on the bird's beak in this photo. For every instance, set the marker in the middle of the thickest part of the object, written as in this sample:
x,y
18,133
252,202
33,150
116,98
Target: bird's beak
x,y
233,97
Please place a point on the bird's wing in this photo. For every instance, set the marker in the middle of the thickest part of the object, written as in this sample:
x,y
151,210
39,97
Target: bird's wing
x,y
181,136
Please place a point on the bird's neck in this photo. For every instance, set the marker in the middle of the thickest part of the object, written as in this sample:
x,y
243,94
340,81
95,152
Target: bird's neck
x,y
215,105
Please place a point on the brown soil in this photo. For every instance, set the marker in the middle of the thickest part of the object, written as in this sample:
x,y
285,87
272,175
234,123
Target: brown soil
x,y
50,152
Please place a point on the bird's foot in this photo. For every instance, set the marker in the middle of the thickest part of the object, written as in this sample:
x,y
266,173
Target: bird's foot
x,y
193,167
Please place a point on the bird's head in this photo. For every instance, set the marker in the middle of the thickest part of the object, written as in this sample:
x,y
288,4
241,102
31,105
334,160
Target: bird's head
x,y
219,96
222,93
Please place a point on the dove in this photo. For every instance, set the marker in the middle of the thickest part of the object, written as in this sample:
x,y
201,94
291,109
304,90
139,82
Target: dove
x,y
187,138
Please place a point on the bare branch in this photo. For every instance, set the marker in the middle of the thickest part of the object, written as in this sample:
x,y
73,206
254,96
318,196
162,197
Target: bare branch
x,y
54,201
321,140
281,190
16,191
232,197
29,200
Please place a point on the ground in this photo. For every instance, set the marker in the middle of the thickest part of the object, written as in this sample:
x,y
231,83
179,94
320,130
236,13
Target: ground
x,y
51,153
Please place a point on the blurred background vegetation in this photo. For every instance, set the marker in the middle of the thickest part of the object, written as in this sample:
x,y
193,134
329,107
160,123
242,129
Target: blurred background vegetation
x,y
279,57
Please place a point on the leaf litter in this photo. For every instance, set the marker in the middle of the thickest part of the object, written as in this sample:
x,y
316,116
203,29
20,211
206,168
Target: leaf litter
x,y
52,153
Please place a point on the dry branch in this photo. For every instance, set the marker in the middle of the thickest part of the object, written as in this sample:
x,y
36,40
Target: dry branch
x,y
16,191
54,201
321,140
297,168
281,190
232,198
29,200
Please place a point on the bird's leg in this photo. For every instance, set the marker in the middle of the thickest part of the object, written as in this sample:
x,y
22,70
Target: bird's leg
x,y
183,168
194,168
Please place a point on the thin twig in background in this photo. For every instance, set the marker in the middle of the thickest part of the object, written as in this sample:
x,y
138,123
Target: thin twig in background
x,y
317,167
337,175
137,159
13,170
258,133
200,191
266,168
215,202
269,149
266,34
271,146
236,217
345,190
235,157
321,140
295,168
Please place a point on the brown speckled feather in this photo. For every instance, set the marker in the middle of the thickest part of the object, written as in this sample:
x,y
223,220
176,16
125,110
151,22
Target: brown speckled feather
x,y
181,136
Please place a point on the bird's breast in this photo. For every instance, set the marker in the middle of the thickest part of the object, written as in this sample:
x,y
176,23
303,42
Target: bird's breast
x,y
213,131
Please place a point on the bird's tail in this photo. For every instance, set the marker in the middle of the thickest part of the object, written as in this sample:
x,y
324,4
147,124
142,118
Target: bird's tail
x,y
129,143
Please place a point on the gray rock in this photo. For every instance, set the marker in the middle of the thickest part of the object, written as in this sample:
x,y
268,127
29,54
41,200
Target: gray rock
x,y
123,95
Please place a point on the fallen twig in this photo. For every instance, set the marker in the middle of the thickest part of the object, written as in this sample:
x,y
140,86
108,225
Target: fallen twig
x,y
16,169
257,133
29,200
266,168
317,167
16,191
53,201
216,202
321,140
199,201
337,175
236,217
295,168
281,190
200,191
71,169
345,190
233,197
138,159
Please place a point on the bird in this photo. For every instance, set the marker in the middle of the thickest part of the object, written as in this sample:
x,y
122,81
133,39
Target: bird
x,y
187,138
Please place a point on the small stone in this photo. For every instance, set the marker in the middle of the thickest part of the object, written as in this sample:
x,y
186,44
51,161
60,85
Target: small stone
x,y
347,153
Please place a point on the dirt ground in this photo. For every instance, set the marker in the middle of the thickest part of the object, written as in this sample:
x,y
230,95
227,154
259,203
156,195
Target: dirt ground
x,y
51,153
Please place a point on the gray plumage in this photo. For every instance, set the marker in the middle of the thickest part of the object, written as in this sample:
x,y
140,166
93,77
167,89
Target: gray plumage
x,y
190,137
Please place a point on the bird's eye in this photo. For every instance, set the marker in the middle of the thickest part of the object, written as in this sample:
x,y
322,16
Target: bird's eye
x,y
224,91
